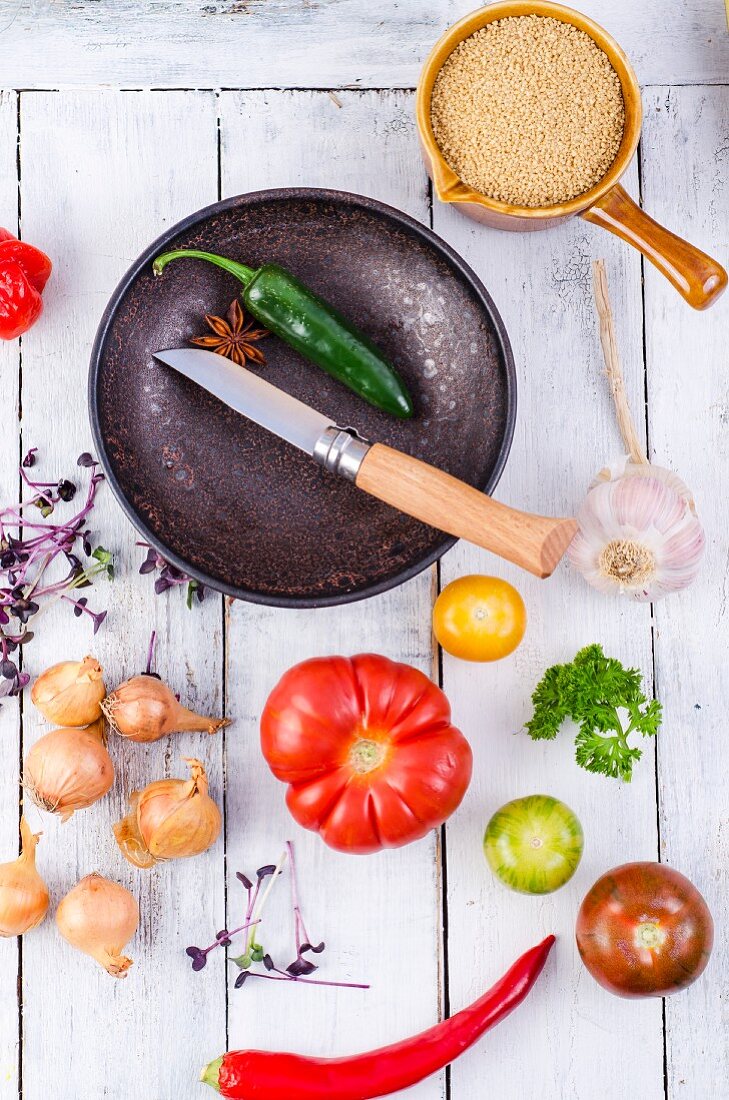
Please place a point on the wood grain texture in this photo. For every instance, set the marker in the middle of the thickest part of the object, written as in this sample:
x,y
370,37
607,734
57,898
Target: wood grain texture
x,y
577,1034
380,915
689,417
10,711
535,543
308,43
120,166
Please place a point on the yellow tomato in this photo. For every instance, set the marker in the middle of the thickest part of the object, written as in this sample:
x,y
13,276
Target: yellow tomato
x,y
479,618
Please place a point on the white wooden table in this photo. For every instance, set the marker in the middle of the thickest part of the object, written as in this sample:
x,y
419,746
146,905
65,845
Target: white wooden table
x,y
121,116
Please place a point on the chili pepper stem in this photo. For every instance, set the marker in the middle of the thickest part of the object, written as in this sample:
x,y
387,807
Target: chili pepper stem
x,y
211,1073
242,273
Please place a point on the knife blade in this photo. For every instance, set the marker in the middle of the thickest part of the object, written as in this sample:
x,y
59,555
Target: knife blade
x,y
536,543
250,395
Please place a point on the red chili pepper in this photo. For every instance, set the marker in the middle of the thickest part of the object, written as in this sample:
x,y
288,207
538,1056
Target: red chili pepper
x,y
261,1075
24,272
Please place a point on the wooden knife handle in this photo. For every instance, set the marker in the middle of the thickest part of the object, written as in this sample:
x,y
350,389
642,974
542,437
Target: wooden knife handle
x,y
536,543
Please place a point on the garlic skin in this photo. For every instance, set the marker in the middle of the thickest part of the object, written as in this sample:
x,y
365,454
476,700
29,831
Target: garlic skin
x,y
144,709
169,819
70,693
99,917
639,534
68,769
24,896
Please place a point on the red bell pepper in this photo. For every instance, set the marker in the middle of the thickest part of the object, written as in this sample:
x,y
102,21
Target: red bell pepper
x,y
24,272
263,1075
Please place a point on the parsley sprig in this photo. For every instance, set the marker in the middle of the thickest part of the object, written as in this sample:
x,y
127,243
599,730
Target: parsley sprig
x,y
592,690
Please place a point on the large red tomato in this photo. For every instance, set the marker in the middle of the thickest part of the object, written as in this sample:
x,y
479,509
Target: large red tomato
x,y
644,930
368,750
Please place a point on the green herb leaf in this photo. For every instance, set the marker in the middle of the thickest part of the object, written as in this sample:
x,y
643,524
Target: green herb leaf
x,y
592,690
242,961
606,755
106,559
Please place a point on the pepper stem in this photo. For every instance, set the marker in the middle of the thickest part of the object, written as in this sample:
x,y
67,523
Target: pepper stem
x,y
211,1074
242,273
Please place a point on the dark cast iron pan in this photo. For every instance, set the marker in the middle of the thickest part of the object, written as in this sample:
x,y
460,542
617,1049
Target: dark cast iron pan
x,y
228,503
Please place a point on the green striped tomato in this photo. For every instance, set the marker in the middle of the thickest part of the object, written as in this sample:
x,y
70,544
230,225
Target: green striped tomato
x,y
534,844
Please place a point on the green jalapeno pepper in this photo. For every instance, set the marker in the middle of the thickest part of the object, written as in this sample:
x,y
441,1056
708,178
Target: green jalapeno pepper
x,y
312,327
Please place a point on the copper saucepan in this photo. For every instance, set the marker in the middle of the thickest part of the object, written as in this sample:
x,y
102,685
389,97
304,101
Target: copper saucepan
x,y
696,276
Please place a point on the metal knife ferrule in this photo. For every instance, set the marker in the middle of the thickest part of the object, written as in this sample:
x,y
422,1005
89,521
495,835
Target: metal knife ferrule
x,y
341,451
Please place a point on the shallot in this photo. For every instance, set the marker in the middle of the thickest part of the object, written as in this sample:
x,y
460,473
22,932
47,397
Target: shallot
x,y
99,917
144,709
23,893
70,693
169,819
69,769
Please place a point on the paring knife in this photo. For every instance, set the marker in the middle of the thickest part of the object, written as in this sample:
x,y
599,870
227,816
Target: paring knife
x,y
536,543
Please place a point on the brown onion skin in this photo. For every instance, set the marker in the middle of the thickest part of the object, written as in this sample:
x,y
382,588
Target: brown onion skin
x,y
655,902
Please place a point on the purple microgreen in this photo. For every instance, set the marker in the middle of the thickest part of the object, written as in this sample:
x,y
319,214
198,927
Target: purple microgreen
x,y
80,608
301,936
279,977
98,619
149,564
150,653
29,547
8,670
199,958
85,459
223,939
169,576
66,490
299,968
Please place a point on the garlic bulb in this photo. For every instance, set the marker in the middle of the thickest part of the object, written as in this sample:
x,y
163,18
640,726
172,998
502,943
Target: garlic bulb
x,y
23,893
69,769
99,917
639,534
169,819
70,693
145,709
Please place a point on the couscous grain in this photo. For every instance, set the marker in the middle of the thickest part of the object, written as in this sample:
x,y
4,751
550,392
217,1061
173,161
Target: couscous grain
x,y
528,110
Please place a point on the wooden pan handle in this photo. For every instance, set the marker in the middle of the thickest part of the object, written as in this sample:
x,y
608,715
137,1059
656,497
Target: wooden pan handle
x,y
697,278
536,543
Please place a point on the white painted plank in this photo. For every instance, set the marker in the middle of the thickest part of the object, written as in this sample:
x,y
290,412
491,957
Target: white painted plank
x,y
575,1033
103,173
380,915
9,714
308,43
689,413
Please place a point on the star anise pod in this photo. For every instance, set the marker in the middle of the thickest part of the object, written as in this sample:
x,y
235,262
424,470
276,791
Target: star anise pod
x,y
233,336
